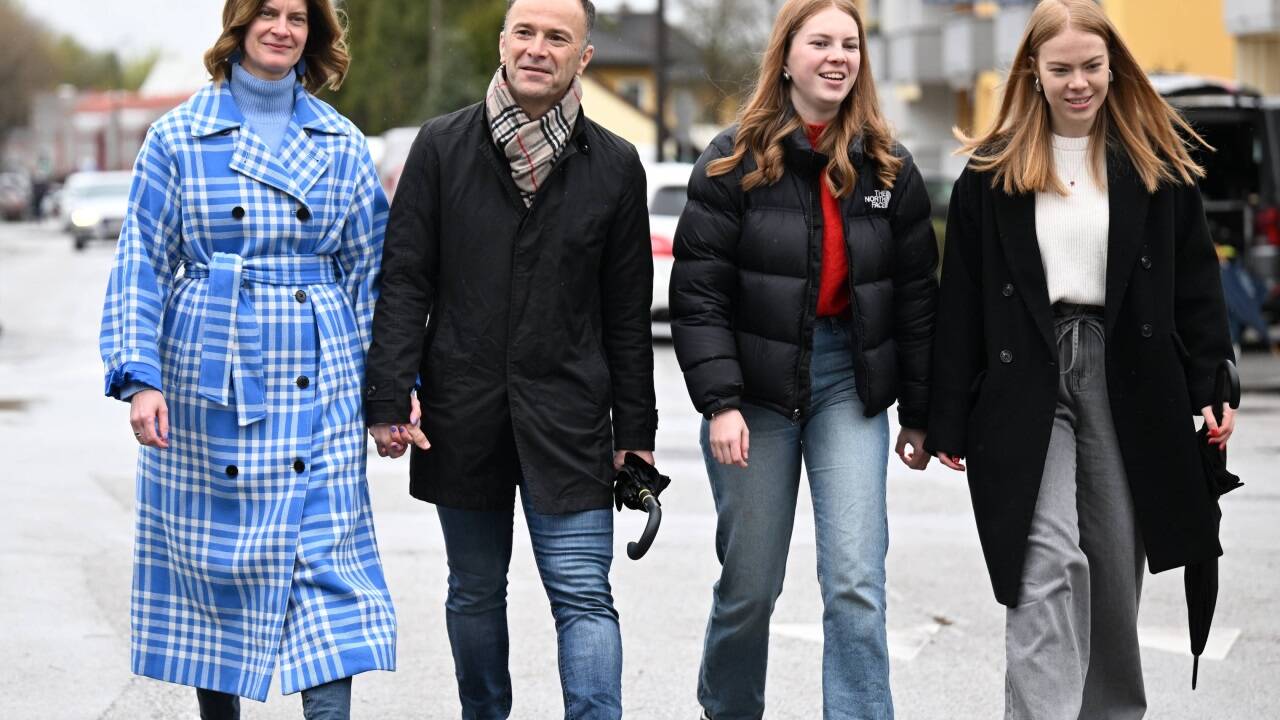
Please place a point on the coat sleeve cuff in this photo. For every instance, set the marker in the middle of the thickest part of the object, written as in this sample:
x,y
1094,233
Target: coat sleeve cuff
x,y
130,373
913,417
386,406
637,437
948,418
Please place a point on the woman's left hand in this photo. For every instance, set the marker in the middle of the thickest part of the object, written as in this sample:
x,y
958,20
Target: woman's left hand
x,y
1219,433
917,459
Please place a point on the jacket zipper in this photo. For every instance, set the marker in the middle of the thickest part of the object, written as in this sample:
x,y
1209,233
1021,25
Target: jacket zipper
x,y
808,288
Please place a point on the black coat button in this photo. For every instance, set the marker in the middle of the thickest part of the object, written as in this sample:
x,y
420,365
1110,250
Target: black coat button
x,y
1146,262
232,471
237,212
300,296
1146,330
1006,357
303,214
303,381
299,466
373,389
1007,290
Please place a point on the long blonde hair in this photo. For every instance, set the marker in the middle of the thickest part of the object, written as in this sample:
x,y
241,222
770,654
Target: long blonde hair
x,y
1018,146
325,53
769,118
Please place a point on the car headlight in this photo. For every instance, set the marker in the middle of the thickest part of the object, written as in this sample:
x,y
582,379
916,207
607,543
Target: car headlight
x,y
85,218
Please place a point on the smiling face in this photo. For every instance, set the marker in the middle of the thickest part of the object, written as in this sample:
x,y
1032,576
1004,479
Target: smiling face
x,y
542,51
274,41
823,64
1073,67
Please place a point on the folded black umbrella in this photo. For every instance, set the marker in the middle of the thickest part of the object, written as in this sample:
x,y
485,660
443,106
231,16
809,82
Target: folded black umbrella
x,y
1200,581
637,485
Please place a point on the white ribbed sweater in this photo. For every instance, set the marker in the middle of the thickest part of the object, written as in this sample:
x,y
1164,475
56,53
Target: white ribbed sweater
x,y
1072,230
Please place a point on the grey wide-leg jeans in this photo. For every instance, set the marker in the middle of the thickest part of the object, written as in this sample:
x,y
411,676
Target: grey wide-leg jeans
x,y
1072,642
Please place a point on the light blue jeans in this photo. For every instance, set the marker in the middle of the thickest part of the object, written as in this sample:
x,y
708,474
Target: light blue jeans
x,y
845,455
573,552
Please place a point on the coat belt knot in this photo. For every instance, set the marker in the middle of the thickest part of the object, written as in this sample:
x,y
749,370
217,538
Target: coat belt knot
x,y
229,327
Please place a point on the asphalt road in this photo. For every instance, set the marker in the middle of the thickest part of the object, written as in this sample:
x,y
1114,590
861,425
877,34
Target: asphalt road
x,y
66,537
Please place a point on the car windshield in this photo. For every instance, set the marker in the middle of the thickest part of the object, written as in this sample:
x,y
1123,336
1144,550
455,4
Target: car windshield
x,y
669,200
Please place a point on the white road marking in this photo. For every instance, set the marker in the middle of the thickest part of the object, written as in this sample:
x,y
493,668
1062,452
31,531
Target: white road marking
x,y
1176,640
904,645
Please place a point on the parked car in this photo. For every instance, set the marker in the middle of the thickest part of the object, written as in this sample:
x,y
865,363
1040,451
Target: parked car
x,y
94,205
1241,188
668,192
15,196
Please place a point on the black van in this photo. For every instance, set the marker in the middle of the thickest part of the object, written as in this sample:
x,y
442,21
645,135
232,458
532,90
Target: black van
x,y
1242,186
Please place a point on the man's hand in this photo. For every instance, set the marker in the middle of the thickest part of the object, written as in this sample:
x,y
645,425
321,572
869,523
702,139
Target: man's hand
x,y
393,440
730,440
619,457
149,416
917,459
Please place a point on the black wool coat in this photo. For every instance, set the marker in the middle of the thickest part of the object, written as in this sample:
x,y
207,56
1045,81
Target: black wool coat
x,y
995,375
744,288
528,328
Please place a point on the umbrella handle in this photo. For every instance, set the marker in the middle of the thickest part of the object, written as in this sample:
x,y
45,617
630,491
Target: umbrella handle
x,y
1226,388
636,550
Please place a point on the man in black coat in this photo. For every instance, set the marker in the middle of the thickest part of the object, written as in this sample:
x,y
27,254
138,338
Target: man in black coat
x,y
517,280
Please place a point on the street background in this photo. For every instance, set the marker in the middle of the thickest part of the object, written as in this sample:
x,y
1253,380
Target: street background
x,y
66,541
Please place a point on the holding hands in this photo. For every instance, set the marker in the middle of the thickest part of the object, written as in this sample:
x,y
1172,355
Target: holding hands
x,y
393,440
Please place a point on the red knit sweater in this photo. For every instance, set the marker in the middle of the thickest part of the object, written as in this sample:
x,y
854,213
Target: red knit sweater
x,y
833,287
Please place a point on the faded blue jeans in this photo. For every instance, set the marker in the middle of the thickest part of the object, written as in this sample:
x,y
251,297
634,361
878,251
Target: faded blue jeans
x,y
845,455
573,552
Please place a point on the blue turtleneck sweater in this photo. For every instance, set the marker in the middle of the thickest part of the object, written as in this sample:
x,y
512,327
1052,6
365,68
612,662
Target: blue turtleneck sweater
x,y
267,105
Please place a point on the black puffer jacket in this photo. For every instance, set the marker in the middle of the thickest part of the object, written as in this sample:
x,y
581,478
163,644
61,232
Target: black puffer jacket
x,y
744,290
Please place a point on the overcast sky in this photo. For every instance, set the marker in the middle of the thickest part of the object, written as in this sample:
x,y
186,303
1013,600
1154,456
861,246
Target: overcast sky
x,y
182,28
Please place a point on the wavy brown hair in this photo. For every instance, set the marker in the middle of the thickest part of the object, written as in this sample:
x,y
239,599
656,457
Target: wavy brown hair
x,y
325,52
1018,146
769,117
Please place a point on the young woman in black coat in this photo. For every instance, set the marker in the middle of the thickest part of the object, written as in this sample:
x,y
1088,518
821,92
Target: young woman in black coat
x,y
1081,321
802,306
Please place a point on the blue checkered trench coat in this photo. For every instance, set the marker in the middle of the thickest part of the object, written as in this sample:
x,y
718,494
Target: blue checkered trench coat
x,y
243,288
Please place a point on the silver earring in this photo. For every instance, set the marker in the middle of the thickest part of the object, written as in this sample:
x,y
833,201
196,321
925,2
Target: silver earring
x,y
786,75
1038,84
1111,75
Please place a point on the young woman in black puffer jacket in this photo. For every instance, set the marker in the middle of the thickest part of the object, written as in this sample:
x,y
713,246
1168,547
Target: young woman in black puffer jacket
x,y
802,306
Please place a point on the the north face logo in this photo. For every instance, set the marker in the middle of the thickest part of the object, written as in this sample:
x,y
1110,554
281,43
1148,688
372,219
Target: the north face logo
x,y
880,200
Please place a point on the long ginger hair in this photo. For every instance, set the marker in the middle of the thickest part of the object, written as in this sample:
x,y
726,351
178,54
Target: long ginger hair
x,y
769,118
1018,146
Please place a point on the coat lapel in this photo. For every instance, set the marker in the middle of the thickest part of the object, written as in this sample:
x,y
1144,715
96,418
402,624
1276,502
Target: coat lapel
x,y
300,161
1127,201
304,159
1016,223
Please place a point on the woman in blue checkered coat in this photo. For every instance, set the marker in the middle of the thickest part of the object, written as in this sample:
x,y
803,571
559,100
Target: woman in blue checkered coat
x,y
236,323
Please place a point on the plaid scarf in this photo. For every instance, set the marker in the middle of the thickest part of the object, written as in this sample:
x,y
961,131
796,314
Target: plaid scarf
x,y
531,146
